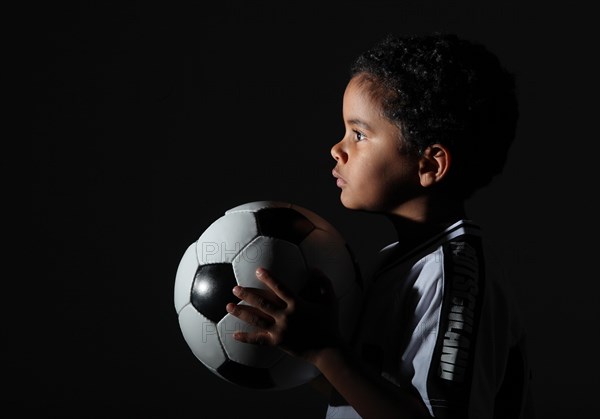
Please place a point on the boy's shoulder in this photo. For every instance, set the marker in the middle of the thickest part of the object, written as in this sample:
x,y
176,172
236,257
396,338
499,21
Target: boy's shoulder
x,y
393,255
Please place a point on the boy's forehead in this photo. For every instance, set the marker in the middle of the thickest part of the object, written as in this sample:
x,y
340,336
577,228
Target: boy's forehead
x,y
359,99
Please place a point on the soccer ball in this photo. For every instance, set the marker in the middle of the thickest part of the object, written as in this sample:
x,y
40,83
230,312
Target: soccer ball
x,y
287,240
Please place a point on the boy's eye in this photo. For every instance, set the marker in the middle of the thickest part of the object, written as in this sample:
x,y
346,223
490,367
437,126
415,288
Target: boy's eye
x,y
358,136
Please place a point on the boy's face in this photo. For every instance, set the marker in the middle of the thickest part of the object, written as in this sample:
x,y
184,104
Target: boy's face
x,y
372,170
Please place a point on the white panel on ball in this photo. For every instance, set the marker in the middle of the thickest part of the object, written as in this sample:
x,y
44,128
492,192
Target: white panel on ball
x,y
258,205
245,353
202,337
283,259
225,237
184,277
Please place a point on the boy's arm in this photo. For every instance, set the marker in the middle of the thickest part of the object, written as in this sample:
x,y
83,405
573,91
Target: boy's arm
x,y
308,330
366,397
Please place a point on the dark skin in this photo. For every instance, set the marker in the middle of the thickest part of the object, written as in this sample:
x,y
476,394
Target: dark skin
x,y
377,176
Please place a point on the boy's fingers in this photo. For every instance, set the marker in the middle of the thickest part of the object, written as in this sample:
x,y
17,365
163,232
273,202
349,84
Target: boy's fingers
x,y
261,338
278,288
262,299
251,315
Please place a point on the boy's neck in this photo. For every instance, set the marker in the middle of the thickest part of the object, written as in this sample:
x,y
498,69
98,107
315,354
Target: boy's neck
x,y
412,231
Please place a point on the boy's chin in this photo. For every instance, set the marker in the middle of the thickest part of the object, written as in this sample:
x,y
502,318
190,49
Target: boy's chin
x,y
348,203
363,207
355,206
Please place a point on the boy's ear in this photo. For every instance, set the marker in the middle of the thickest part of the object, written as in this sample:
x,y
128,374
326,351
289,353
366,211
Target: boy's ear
x,y
434,164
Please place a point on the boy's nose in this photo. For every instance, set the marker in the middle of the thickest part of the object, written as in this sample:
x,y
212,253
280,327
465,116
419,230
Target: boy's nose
x,y
338,153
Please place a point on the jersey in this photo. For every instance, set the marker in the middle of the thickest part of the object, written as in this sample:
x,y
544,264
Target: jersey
x,y
439,322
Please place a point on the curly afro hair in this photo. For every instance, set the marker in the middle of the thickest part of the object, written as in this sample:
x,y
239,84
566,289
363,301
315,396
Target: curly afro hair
x,y
442,89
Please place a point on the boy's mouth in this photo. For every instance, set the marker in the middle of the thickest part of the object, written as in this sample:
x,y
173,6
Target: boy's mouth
x,y
340,181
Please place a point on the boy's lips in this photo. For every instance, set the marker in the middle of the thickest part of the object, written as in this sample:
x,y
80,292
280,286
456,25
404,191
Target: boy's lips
x,y
340,180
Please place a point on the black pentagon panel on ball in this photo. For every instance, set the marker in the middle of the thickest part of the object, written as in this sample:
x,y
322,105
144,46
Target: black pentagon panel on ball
x,y
211,290
246,376
283,223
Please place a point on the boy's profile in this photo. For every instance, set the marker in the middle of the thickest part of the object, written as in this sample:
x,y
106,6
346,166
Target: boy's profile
x,y
428,121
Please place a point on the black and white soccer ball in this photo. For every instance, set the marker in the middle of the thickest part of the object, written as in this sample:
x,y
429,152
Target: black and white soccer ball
x,y
286,239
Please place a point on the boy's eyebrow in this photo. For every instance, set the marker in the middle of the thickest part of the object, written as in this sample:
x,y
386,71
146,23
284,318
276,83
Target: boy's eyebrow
x,y
359,122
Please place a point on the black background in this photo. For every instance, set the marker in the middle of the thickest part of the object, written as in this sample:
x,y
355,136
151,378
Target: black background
x,y
151,119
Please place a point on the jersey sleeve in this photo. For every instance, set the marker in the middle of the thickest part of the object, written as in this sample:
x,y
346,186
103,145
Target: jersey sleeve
x,y
450,372
427,295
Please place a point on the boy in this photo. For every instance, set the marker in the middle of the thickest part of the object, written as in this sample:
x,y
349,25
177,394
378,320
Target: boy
x,y
429,120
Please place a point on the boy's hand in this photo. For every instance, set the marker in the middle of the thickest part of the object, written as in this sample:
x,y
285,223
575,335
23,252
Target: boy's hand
x,y
300,324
